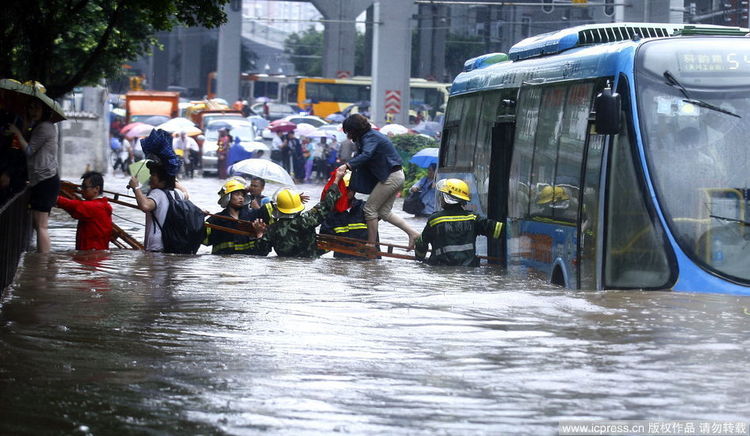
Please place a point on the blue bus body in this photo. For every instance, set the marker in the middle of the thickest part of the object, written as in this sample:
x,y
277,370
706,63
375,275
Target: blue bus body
x,y
590,210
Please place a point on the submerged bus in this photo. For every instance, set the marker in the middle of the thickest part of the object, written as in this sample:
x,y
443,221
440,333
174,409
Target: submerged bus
x,y
616,154
328,96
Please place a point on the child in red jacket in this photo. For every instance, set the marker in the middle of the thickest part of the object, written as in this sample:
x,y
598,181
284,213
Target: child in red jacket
x,y
94,213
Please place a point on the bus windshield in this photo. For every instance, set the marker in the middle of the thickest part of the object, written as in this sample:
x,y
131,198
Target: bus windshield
x,y
694,107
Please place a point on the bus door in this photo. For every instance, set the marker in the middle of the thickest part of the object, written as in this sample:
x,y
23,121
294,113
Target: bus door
x,y
497,202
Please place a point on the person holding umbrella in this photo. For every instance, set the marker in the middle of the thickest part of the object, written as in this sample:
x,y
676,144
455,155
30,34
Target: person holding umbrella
x,y
41,152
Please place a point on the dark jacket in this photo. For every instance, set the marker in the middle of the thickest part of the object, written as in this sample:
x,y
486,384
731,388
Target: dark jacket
x,y
452,232
230,243
350,224
375,153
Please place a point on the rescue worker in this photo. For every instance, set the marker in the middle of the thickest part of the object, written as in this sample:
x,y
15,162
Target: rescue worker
x,y
349,223
232,198
452,232
293,232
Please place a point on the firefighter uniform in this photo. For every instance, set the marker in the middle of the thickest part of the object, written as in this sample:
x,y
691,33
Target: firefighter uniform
x,y
295,236
230,243
350,224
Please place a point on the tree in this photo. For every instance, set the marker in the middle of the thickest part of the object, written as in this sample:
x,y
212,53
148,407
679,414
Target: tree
x,y
306,51
460,48
67,43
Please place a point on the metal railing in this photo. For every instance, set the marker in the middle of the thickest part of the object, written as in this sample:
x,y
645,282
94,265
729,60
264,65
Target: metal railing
x,y
15,235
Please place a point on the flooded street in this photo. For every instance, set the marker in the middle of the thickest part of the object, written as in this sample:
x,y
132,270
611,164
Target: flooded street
x,y
126,342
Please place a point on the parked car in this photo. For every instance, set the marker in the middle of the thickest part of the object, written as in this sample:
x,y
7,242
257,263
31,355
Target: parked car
x,y
239,128
276,111
297,119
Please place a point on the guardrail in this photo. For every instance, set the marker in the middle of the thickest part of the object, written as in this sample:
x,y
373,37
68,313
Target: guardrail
x,y
15,236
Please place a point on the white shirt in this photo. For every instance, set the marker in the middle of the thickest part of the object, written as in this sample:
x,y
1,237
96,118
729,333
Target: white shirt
x,y
152,239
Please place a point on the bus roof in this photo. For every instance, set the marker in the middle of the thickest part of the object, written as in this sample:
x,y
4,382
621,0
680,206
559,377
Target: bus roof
x,y
572,53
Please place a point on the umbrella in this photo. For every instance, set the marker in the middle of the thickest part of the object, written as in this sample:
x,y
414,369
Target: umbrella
x,y
265,169
139,171
285,126
336,118
127,127
304,129
177,124
15,97
394,129
158,146
431,128
317,133
425,157
139,131
262,100
156,120
120,112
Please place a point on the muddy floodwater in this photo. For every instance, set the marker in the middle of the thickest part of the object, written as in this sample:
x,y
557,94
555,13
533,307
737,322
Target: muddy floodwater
x,y
126,342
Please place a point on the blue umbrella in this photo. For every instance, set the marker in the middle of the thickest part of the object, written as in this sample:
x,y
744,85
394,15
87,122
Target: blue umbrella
x,y
158,147
425,157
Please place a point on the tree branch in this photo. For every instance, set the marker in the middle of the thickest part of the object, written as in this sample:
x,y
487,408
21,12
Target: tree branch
x,y
88,64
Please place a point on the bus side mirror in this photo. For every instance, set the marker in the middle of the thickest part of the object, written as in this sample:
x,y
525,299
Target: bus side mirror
x,y
607,106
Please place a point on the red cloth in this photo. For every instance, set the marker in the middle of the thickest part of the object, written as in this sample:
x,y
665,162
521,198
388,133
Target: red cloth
x,y
94,221
342,203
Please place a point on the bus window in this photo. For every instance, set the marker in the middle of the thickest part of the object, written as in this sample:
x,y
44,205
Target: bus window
x,y
523,151
589,228
635,255
467,133
570,155
450,132
337,92
545,195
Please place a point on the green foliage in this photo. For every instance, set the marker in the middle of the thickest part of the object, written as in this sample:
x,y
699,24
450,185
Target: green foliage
x,y
407,145
460,48
68,43
306,52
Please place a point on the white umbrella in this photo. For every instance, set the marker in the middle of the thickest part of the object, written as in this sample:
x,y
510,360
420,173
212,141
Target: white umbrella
x,y
265,169
394,129
177,125
303,129
139,131
254,146
318,133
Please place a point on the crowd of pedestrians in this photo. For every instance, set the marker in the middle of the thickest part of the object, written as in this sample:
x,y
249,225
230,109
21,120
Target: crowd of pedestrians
x,y
250,222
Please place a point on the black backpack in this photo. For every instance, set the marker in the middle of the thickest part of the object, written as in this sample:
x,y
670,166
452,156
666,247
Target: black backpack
x,y
183,229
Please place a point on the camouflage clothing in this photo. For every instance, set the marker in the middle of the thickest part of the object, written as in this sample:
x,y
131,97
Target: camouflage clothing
x,y
350,224
295,237
452,232
231,243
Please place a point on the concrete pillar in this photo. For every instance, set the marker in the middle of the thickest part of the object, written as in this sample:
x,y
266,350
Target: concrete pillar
x,y
228,62
370,17
190,48
391,58
339,37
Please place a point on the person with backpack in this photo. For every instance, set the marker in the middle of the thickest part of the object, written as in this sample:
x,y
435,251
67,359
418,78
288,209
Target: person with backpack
x,y
163,193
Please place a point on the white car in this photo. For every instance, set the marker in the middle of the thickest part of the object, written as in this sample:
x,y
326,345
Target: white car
x,y
297,119
238,128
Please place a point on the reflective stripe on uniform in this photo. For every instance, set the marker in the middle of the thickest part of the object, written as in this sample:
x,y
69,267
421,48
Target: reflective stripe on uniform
x,y
234,246
350,227
454,248
444,219
498,229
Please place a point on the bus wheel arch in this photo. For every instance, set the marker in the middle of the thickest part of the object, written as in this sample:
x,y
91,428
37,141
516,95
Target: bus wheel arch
x,y
558,276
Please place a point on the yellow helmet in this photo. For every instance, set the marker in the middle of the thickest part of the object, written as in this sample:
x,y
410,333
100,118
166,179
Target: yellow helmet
x,y
288,202
456,188
549,194
230,186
